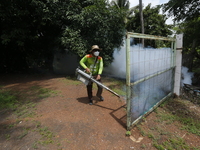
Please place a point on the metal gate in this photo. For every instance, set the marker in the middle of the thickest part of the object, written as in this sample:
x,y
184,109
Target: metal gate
x,y
150,63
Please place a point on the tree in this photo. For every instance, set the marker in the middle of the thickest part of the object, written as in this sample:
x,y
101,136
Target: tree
x,y
121,4
124,7
96,24
182,9
187,14
154,22
32,30
28,32
191,46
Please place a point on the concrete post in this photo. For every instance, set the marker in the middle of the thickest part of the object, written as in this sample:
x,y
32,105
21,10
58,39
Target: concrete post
x,y
177,80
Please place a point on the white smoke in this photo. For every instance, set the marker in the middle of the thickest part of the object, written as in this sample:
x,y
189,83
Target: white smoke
x,y
186,76
144,62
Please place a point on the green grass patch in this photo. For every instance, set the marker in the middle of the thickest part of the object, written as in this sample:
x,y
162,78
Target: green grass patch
x,y
46,136
172,113
23,134
174,143
8,99
23,102
71,80
188,123
42,92
184,115
165,116
116,85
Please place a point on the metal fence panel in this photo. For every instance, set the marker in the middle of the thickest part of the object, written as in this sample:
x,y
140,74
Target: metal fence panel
x,y
149,73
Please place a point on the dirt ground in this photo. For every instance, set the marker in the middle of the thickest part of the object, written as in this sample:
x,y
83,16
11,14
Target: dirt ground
x,y
66,121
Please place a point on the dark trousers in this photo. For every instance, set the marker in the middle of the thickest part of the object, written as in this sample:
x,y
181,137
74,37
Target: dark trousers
x,y
89,89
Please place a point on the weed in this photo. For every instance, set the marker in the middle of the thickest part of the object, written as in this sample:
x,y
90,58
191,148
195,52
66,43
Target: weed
x,y
11,126
58,144
47,135
42,92
165,116
143,146
141,130
162,139
128,133
173,143
8,99
7,136
25,132
38,124
35,145
151,135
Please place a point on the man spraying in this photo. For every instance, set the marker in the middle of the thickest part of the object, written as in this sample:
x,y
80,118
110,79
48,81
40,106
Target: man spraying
x,y
93,64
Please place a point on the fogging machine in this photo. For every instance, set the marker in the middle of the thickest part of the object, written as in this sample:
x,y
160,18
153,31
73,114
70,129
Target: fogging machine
x,y
86,78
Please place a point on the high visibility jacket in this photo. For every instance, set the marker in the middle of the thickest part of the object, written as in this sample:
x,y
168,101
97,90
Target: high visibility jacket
x,y
88,61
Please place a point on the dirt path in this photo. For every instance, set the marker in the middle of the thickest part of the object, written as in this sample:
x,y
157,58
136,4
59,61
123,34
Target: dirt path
x,y
75,123
66,121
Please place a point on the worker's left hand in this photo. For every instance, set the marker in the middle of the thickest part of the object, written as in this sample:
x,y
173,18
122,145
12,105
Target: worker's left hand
x,y
98,77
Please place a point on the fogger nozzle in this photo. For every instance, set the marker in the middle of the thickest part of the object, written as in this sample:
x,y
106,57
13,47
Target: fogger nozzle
x,y
85,78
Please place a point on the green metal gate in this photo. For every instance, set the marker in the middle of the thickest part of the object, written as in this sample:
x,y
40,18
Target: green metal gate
x,y
150,63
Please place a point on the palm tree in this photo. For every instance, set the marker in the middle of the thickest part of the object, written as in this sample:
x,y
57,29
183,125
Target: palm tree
x,y
123,5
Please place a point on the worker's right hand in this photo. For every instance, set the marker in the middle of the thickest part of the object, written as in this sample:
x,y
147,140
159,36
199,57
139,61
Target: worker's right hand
x,y
87,70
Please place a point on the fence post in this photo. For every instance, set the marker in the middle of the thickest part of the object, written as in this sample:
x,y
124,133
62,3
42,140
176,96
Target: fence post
x,y
128,87
177,79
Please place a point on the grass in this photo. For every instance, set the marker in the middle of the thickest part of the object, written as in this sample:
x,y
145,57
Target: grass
x,y
8,99
173,144
182,114
22,104
23,134
47,137
162,137
21,101
116,85
71,80
42,92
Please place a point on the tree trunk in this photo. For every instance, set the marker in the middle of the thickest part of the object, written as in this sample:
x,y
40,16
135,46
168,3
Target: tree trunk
x,y
193,53
141,19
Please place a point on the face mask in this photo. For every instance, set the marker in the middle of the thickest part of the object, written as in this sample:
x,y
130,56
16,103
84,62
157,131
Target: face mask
x,y
96,53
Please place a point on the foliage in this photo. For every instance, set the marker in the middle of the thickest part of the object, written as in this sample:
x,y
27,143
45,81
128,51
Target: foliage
x,y
28,32
154,23
182,9
187,12
191,51
96,24
32,30
121,4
